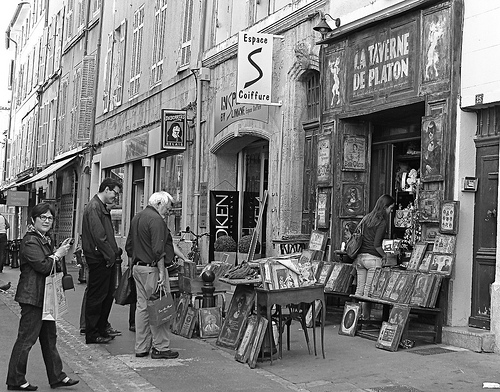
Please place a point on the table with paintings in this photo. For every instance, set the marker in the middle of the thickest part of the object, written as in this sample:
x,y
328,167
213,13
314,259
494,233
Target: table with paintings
x,y
266,299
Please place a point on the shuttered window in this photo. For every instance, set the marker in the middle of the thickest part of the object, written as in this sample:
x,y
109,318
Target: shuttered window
x,y
86,99
135,68
186,33
158,41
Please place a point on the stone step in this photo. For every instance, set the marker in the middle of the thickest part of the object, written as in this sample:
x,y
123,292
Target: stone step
x,y
474,339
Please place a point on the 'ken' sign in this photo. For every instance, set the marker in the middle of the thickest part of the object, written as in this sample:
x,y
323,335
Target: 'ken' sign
x,y
255,64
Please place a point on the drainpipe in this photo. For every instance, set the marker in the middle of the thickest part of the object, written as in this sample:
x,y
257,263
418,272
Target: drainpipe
x,y
198,117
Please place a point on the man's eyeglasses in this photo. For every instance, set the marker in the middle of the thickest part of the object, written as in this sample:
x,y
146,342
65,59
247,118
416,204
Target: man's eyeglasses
x,y
116,192
45,218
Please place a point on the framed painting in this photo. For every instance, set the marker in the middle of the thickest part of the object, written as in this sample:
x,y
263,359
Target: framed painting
x,y
210,320
283,277
432,159
389,336
350,319
189,323
323,209
354,153
429,203
323,272
426,260
352,203
444,243
441,264
240,307
324,166
379,285
448,220
260,331
243,350
180,313
317,241
429,232
416,257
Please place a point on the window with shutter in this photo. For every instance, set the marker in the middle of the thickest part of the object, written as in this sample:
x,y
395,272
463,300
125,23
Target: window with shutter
x,y
135,68
107,73
186,33
86,99
71,136
63,101
158,41
118,68
69,19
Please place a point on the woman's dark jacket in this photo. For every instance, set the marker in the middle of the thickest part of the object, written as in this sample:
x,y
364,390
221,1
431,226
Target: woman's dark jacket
x,y
35,265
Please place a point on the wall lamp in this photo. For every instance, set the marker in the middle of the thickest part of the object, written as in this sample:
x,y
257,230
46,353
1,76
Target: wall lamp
x,y
323,28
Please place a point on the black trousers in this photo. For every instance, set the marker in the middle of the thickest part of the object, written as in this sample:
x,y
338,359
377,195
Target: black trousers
x,y
3,250
100,289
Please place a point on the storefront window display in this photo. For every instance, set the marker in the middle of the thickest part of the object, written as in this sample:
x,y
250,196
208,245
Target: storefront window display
x,y
116,208
169,174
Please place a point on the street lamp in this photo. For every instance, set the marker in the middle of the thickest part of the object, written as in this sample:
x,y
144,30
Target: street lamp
x,y
324,28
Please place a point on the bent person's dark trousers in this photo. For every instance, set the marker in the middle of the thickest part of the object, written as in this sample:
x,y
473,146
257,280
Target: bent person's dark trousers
x,y
99,298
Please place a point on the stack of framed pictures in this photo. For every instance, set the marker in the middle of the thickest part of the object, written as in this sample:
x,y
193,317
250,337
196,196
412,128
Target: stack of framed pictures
x,y
249,346
392,330
406,287
340,277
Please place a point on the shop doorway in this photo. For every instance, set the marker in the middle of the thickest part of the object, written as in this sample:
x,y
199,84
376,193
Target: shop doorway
x,y
395,157
254,182
138,174
485,233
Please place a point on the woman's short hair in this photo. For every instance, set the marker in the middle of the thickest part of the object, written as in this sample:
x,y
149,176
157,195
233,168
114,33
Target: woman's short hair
x,y
41,208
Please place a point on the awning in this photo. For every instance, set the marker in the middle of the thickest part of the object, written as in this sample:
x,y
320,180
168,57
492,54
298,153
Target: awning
x,y
47,171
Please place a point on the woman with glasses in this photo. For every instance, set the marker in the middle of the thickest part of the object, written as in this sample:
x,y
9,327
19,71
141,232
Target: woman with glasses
x,y
37,255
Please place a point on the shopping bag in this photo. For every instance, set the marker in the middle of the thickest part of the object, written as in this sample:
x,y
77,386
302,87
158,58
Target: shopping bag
x,y
125,293
160,307
54,297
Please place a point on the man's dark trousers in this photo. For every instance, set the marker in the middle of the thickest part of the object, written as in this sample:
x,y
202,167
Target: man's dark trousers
x,y
3,250
100,291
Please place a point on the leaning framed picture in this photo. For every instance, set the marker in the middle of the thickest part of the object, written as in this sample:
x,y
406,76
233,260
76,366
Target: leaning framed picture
x,y
317,241
389,336
352,203
441,264
240,307
350,319
444,243
243,349
416,256
448,219
432,159
354,153
210,320
260,331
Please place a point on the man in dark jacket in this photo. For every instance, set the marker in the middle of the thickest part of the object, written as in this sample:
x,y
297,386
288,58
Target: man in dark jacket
x,y
100,250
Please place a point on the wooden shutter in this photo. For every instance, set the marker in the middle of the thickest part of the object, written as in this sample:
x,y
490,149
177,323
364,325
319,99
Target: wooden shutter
x,y
86,99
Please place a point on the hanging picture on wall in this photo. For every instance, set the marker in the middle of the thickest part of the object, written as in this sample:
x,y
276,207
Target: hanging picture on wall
x,y
429,203
432,160
323,209
444,243
354,153
324,166
352,200
448,221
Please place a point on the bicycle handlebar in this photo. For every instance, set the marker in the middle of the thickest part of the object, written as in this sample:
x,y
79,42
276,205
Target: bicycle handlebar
x,y
189,231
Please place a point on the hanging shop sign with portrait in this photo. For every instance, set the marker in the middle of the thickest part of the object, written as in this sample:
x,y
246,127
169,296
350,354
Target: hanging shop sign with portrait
x,y
173,129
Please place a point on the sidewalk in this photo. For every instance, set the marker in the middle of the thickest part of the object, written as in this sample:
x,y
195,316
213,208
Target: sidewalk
x,y
351,364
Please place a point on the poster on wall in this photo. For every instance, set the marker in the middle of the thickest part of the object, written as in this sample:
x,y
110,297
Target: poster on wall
x,y
432,160
323,209
354,153
436,45
224,209
335,79
429,203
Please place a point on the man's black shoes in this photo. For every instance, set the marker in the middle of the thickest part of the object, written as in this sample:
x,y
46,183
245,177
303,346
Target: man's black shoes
x,y
168,354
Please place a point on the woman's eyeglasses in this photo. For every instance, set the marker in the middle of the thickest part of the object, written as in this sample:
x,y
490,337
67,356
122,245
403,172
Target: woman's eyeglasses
x,y
45,218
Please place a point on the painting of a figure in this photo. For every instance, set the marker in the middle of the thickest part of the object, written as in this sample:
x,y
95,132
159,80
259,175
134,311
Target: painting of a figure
x,y
432,148
352,199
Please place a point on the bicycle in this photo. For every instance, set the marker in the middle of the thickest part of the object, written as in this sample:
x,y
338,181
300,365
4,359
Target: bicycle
x,y
194,254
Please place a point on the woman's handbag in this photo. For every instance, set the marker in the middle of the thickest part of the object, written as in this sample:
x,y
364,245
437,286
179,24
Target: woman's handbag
x,y
353,244
67,279
160,307
126,293
54,298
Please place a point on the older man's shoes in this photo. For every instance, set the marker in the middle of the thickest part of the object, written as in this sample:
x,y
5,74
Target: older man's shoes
x,y
168,354
28,387
67,382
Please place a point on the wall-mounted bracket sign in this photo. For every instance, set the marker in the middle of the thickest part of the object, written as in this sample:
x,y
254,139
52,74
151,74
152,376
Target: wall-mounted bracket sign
x,y
173,129
469,184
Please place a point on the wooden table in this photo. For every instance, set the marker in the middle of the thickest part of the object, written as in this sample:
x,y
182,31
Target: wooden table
x,y
307,294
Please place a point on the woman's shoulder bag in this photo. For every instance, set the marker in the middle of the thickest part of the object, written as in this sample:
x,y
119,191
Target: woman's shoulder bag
x,y
353,244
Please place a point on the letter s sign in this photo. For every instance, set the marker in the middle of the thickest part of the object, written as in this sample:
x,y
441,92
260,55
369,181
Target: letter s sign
x,y
255,65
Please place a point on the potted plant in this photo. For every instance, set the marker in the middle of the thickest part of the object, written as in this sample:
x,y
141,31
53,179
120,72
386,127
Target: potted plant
x,y
244,248
225,244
